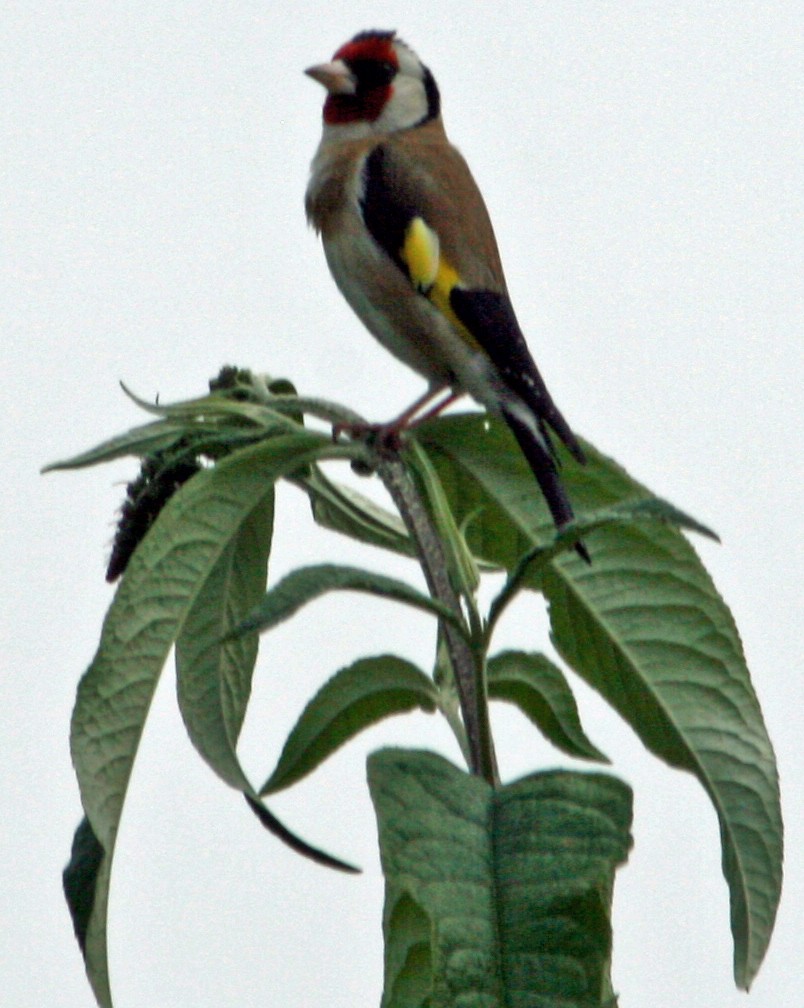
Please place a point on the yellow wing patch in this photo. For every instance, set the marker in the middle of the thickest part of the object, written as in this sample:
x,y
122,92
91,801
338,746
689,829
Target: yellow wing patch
x,y
421,254
429,272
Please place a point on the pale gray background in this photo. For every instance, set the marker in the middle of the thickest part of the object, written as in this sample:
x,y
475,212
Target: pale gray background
x,y
642,163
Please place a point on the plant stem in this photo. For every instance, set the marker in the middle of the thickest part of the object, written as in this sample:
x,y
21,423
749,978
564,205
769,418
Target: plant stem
x,y
468,675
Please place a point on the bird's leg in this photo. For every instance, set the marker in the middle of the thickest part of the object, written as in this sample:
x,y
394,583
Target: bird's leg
x,y
439,407
387,435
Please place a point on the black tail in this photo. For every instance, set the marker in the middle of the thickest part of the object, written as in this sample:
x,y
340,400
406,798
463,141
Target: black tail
x,y
544,469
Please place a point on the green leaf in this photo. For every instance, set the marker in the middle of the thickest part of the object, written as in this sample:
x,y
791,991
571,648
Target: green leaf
x,y
540,690
338,507
657,509
647,629
461,565
353,699
408,953
213,675
645,626
160,586
496,896
277,829
216,409
80,878
307,583
139,441
491,488
215,424
529,567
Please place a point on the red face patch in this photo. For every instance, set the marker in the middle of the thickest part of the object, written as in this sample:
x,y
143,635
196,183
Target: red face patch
x,y
341,109
378,48
373,60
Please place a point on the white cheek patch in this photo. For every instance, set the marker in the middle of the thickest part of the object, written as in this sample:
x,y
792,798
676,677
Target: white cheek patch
x,y
408,62
406,106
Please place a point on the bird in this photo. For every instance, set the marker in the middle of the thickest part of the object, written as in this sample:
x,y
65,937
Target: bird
x,y
409,242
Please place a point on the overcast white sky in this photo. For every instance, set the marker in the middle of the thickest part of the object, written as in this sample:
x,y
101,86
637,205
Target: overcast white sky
x,y
643,166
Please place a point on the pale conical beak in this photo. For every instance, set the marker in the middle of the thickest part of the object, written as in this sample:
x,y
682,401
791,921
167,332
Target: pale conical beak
x,y
335,76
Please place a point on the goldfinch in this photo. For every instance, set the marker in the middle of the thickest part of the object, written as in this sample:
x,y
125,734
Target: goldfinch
x,y
409,243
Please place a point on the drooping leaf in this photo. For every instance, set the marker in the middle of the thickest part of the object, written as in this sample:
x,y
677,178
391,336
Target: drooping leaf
x,y
278,829
80,878
540,690
496,896
160,586
307,583
213,672
646,627
651,634
353,699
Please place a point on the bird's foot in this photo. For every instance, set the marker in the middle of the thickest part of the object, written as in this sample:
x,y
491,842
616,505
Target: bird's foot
x,y
384,438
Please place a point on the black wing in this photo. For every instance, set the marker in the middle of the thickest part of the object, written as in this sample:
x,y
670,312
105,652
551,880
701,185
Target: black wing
x,y
489,317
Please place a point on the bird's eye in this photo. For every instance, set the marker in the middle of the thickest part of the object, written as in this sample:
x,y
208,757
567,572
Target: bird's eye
x,y
372,73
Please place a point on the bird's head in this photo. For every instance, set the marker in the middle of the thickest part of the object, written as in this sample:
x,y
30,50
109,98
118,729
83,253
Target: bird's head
x,y
376,84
